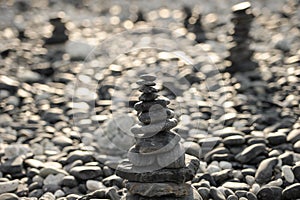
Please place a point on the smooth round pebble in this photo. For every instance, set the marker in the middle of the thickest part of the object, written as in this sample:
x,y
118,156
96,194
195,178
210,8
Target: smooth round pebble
x,y
288,173
225,165
250,180
93,185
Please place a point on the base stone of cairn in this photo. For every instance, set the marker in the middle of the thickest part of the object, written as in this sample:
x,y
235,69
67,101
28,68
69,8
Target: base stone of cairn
x,y
157,166
240,53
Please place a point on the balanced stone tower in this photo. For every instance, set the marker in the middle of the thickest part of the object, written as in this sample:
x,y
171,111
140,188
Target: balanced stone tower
x,y
157,166
240,53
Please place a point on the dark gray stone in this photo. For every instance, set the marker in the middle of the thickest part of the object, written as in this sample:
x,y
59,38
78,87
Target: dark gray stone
x,y
269,192
69,181
113,180
234,140
193,195
287,158
216,194
221,176
84,156
251,196
240,193
218,150
158,189
112,194
250,152
51,188
296,171
36,193
264,172
86,172
35,185
12,166
204,192
292,191
59,32
276,138
232,197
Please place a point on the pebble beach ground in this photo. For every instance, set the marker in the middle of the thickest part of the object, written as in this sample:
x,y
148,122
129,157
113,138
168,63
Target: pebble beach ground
x,y
67,99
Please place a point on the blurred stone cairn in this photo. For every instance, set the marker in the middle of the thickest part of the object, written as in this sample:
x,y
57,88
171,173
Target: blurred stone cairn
x,y
240,53
157,166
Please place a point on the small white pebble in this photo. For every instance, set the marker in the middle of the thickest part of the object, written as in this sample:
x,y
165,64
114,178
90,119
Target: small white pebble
x,y
216,163
243,198
288,173
93,185
278,182
213,168
225,165
250,180
53,179
255,188
237,174
202,166
59,193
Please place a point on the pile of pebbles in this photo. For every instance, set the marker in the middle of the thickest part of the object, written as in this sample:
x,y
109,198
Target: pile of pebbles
x,y
58,140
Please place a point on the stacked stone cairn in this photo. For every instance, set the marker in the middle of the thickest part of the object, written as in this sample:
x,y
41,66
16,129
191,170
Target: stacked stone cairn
x,y
240,53
157,166
59,32
193,23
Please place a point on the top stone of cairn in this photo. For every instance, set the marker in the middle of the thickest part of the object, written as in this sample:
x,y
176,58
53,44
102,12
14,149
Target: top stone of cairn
x,y
241,7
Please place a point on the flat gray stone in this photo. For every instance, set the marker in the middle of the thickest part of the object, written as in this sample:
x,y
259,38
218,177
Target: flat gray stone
x,y
264,172
148,77
141,174
44,172
216,194
234,140
8,186
193,195
157,158
250,152
84,156
86,172
269,192
234,186
158,189
12,166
